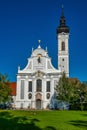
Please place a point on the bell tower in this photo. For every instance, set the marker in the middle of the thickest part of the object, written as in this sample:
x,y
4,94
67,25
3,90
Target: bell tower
x,y
63,45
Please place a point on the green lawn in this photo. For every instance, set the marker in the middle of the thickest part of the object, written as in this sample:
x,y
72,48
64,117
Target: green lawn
x,y
43,120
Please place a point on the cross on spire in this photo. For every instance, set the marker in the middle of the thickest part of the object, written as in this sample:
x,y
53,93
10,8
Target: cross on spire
x,y
62,10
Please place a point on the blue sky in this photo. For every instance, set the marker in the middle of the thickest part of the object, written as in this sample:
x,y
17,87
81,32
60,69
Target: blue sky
x,y
23,22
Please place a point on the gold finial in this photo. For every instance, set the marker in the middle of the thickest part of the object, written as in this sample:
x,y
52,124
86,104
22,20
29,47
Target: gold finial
x,y
39,41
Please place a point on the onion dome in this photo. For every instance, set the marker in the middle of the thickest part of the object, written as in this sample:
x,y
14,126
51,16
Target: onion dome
x,y
62,27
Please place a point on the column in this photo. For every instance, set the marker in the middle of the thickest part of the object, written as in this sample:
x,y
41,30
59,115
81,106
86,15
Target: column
x,y
33,105
44,93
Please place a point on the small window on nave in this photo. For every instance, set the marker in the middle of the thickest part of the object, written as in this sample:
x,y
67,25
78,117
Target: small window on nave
x,y
63,46
22,105
30,86
39,85
48,86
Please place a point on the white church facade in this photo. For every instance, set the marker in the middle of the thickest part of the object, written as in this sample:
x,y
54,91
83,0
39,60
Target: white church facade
x,y
36,83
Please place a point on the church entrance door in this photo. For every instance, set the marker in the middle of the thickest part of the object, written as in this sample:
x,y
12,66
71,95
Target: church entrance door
x,y
38,104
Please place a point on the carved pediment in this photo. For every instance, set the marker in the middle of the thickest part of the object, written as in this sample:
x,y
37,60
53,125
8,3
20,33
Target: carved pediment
x,y
38,74
38,96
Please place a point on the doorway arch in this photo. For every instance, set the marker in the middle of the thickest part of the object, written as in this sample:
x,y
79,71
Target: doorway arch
x,y
38,104
38,98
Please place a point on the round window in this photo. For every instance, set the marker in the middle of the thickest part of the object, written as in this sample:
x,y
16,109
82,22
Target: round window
x,y
30,96
48,95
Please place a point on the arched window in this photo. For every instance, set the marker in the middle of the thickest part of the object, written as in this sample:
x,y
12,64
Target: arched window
x,y
39,85
30,86
48,86
63,46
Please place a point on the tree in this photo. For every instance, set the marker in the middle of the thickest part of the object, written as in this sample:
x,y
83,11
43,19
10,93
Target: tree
x,y
5,90
82,95
74,84
72,91
63,88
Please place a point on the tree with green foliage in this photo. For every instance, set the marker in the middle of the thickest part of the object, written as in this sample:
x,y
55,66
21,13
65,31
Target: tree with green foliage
x,y
5,90
65,89
74,84
82,91
71,90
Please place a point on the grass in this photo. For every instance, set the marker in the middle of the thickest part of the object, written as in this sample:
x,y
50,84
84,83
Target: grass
x,y
43,120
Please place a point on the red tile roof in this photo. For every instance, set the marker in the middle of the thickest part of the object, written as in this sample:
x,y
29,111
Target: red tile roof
x,y
13,88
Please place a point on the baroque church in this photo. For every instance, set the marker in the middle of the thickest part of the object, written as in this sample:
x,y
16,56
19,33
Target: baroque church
x,y
36,83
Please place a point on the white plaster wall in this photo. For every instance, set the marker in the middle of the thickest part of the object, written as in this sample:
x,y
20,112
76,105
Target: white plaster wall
x,y
63,65
30,73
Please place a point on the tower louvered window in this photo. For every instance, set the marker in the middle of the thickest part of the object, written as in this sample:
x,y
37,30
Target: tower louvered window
x,y
63,46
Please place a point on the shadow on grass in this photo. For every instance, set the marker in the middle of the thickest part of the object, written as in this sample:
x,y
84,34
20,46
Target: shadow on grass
x,y
84,115
79,123
10,122
49,128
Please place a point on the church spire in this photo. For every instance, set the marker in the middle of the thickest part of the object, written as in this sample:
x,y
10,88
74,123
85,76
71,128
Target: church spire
x,y
62,10
63,44
62,27
62,19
